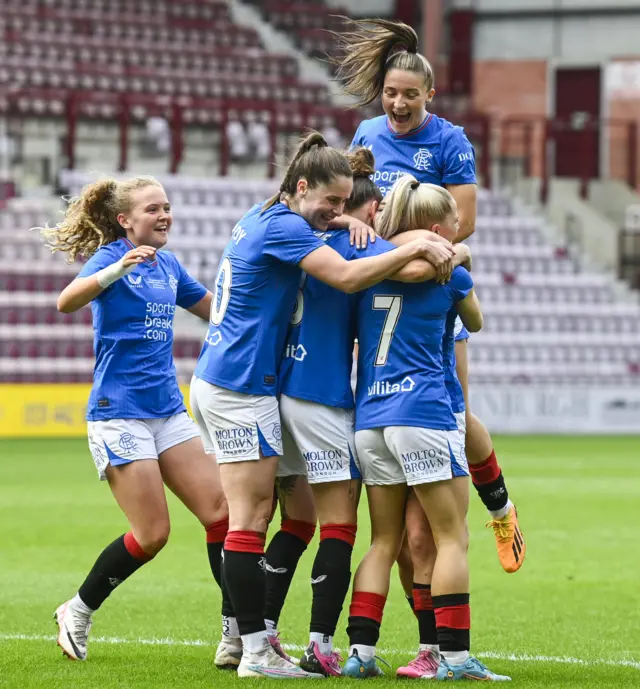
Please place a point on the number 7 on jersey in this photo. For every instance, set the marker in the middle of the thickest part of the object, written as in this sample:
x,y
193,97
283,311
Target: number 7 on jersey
x,y
392,304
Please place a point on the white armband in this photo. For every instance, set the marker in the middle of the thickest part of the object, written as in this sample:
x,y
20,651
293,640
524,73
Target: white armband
x,y
107,276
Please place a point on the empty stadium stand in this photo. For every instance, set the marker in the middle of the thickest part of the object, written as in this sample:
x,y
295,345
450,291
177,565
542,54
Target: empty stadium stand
x,y
120,63
309,23
546,321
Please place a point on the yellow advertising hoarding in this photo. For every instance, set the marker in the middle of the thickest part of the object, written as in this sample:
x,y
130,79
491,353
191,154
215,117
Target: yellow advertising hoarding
x,y
46,411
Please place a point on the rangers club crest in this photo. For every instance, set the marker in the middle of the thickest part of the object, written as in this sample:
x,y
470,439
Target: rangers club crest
x,y
422,159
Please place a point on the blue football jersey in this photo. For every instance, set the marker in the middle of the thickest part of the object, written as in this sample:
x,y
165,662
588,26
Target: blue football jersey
x,y
451,381
318,354
255,295
401,377
437,152
134,376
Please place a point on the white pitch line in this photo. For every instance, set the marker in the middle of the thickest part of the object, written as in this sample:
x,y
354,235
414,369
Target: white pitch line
x,y
518,657
567,660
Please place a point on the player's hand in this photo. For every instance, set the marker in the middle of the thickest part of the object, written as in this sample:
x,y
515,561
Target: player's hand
x,y
360,233
138,255
440,255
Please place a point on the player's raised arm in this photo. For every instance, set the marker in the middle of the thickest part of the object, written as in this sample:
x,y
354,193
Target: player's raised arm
x,y
435,209
466,196
352,276
85,289
459,176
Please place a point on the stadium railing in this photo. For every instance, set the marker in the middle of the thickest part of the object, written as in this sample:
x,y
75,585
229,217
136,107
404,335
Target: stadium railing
x,y
528,148
282,117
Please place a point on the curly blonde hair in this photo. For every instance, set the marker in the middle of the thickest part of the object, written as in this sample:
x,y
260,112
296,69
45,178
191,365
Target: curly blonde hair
x,y
91,219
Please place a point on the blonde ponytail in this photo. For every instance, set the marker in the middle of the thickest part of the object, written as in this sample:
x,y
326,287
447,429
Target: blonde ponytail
x,y
413,206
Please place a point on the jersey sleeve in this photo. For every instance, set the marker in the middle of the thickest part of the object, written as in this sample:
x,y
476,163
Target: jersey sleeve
x,y
459,159
289,239
101,259
461,283
190,291
358,138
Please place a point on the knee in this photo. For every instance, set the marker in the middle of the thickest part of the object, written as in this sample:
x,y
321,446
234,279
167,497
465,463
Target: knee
x,y
421,544
457,536
423,554
153,538
216,511
252,515
386,548
420,540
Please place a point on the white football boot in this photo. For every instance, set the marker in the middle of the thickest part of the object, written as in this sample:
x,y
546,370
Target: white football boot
x,y
229,653
267,663
74,627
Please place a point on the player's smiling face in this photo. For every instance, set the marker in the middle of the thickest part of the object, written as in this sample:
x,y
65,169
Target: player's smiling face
x,y
320,205
404,99
149,219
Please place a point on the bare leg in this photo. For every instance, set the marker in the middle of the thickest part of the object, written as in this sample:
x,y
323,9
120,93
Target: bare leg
x,y
139,491
488,479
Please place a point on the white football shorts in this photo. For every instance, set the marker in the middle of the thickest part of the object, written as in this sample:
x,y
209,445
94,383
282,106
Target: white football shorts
x,y
319,441
409,454
459,331
236,427
119,441
461,420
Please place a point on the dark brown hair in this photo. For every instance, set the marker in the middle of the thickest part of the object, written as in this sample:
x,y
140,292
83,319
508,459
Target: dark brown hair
x,y
314,160
362,164
372,48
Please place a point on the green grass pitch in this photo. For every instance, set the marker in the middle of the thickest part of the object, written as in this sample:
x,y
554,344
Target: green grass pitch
x,y
569,618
